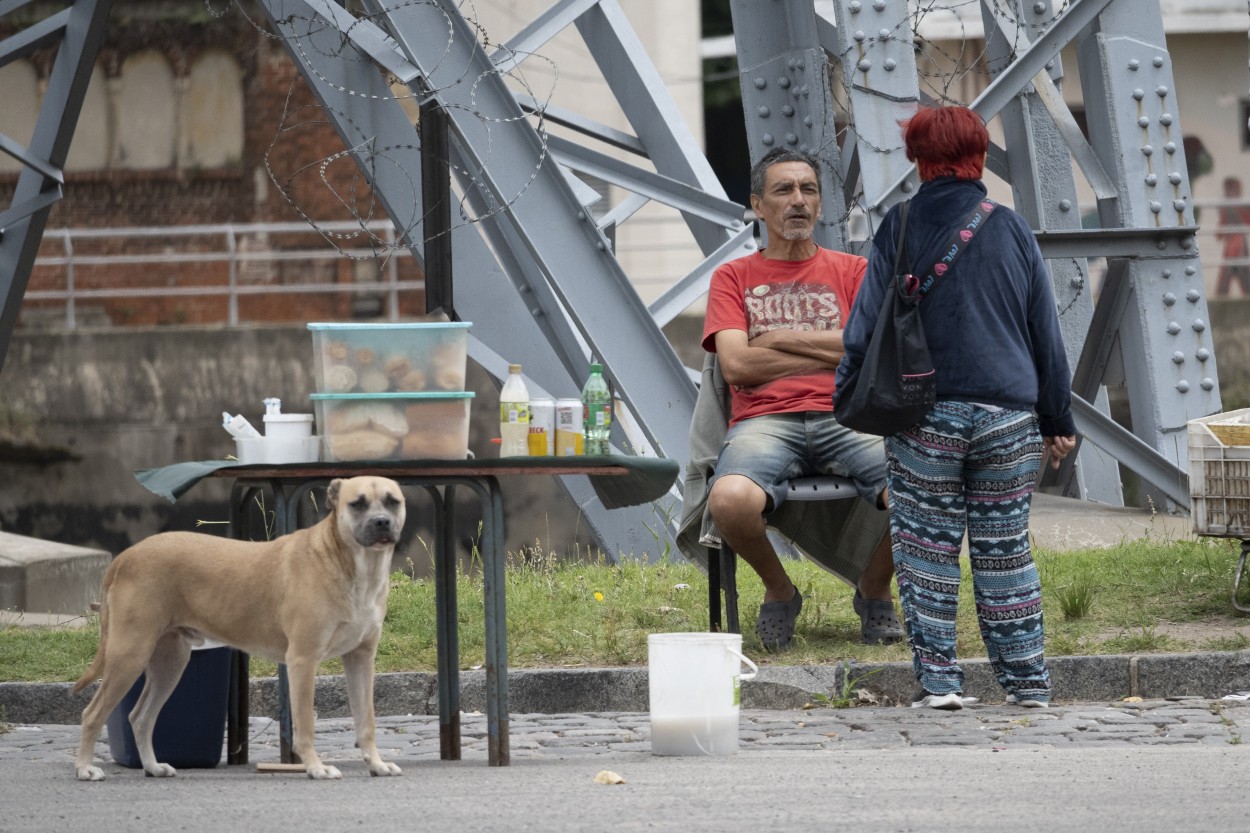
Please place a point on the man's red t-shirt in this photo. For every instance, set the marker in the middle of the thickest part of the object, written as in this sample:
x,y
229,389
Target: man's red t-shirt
x,y
756,294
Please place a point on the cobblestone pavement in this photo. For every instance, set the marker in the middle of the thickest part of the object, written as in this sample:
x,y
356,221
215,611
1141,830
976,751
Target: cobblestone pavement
x,y
1174,721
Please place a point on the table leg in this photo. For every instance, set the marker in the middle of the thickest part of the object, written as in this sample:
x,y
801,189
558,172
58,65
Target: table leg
x,y
285,732
237,709
1241,567
283,522
729,585
238,701
713,590
447,633
498,753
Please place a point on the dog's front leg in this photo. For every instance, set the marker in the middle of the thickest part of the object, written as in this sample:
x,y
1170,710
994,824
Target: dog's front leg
x,y
302,676
358,667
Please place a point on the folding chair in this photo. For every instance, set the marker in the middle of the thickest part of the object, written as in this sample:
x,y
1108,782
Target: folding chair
x,y
722,564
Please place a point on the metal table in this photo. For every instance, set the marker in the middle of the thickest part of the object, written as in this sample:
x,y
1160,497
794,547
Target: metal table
x,y
619,481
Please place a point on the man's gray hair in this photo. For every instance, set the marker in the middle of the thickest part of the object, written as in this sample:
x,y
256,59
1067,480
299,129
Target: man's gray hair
x,y
776,156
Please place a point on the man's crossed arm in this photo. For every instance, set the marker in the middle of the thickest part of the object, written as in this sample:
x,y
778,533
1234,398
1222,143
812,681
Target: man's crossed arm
x,y
777,353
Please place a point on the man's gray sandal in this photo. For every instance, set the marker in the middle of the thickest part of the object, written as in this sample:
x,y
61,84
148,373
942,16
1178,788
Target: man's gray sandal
x,y
878,623
775,625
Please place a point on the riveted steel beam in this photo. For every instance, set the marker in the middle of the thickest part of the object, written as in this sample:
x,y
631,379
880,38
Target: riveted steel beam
x,y
77,31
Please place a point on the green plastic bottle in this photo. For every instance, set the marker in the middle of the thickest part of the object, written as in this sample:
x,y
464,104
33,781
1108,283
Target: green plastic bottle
x,y
597,413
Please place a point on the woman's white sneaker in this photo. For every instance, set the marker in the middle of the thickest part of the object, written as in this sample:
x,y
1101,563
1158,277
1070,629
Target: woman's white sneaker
x,y
952,701
1027,703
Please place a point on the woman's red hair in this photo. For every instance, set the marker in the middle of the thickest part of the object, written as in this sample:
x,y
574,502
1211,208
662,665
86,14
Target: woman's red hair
x,y
946,141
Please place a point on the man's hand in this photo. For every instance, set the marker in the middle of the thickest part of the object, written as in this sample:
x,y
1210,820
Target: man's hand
x,y
1058,447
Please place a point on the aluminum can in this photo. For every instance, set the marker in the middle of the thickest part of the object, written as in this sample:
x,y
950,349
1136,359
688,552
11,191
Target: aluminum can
x,y
542,436
569,431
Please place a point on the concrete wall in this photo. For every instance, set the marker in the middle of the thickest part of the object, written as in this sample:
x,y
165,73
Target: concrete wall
x,y
90,408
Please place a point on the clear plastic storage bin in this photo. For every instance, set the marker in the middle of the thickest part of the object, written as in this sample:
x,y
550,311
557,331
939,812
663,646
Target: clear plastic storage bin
x,y
394,426
390,358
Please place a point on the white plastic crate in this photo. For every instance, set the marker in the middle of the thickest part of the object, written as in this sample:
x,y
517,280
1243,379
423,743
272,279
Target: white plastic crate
x,y
1219,479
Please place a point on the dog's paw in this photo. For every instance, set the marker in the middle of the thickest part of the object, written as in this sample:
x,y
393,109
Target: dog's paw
x,y
379,768
160,770
324,772
89,773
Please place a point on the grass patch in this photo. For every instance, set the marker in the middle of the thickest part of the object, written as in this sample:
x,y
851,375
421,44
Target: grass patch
x,y
1236,642
1075,600
596,614
46,653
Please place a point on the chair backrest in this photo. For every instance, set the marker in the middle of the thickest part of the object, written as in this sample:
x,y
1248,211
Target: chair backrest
x,y
824,487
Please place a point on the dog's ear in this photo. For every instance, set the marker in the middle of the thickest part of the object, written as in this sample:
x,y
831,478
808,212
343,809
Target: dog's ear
x,y
332,494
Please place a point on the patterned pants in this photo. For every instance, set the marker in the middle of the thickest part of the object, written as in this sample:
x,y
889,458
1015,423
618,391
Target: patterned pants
x,y
968,468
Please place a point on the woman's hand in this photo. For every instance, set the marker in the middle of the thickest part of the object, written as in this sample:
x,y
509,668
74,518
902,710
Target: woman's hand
x,y
1058,448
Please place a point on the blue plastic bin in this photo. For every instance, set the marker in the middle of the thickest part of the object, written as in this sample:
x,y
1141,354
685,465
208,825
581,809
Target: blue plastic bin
x,y
190,730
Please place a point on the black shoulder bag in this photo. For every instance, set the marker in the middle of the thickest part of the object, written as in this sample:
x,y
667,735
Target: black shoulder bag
x,y
896,384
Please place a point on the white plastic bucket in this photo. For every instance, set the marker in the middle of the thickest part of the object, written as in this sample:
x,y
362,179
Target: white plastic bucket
x,y
270,450
695,689
288,426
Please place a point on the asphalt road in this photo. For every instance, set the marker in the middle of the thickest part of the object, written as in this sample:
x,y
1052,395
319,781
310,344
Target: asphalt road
x,y
929,789
1164,765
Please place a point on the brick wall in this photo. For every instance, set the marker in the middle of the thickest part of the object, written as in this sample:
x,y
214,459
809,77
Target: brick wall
x,y
281,121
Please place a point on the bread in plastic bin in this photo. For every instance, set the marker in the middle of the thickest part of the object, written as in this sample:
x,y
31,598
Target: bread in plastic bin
x,y
414,380
448,363
397,365
449,378
379,417
437,431
437,445
374,381
340,379
435,416
363,445
337,351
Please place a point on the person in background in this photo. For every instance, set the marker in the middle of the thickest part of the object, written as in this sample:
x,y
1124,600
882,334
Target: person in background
x,y
774,319
1235,258
1003,401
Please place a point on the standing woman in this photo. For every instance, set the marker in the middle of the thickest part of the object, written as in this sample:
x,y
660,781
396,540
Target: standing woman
x,y
1003,400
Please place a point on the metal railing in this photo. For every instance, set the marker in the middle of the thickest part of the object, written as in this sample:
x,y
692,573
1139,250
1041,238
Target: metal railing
x,y
239,258
225,248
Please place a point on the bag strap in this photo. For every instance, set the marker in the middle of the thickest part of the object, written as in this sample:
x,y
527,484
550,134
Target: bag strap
x,y
901,264
959,240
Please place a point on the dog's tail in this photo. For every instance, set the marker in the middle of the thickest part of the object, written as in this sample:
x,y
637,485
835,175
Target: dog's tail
x,y
97,665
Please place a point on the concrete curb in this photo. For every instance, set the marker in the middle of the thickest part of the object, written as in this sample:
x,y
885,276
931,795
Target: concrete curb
x,y
580,690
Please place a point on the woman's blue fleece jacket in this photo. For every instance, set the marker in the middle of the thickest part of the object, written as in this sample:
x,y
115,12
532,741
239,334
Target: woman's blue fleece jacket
x,y
991,322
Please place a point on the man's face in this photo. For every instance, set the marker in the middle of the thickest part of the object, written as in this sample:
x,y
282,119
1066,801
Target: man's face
x,y
791,201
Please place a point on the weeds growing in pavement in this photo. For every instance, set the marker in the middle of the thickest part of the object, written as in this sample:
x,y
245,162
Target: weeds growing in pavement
x,y
848,694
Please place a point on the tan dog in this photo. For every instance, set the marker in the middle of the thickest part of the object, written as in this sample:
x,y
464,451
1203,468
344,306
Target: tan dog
x,y
315,593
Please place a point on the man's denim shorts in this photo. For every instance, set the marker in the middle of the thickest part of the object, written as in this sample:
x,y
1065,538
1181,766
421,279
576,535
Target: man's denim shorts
x,y
771,450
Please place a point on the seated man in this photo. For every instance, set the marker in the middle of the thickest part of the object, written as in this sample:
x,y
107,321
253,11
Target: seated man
x,y
775,319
